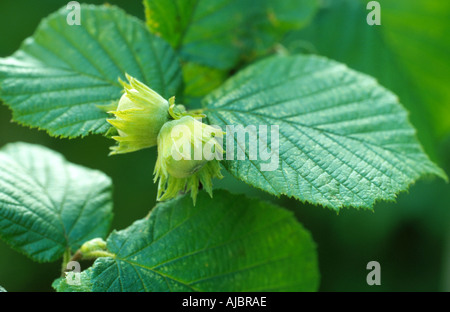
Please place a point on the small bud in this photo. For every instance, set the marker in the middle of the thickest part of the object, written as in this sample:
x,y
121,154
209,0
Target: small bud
x,y
139,116
93,245
188,153
94,249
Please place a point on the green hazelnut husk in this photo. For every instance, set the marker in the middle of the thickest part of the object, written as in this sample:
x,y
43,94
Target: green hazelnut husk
x,y
182,163
139,116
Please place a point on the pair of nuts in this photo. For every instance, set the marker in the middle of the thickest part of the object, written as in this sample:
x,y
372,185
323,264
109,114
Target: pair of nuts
x,y
144,119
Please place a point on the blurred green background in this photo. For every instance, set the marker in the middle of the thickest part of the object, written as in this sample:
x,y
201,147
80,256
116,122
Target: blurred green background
x,y
410,238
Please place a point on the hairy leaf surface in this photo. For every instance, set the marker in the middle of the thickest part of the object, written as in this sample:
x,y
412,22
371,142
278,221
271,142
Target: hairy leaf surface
x,y
229,243
48,205
61,75
343,139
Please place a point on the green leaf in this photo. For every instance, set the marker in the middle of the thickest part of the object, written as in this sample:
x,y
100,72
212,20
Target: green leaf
x,y
408,53
343,139
2,289
229,243
423,27
60,76
218,33
48,205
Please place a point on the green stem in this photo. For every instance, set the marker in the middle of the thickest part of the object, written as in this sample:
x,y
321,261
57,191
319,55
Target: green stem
x,y
67,256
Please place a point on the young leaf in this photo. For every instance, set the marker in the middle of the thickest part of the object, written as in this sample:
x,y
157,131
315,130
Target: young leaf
x,y
48,205
229,243
218,33
60,76
343,139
